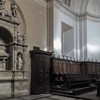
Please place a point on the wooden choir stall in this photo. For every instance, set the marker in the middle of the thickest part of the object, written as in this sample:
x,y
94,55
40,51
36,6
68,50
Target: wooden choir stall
x,y
73,77
61,75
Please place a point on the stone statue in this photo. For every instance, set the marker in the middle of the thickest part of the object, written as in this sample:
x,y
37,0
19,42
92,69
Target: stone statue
x,y
3,10
19,62
19,37
15,36
24,39
14,9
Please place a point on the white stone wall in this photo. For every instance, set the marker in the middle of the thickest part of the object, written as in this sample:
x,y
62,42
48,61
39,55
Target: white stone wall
x,y
93,40
62,14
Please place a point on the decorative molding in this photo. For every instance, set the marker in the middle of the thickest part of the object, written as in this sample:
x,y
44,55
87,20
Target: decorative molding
x,y
9,20
64,9
57,2
89,14
50,4
64,6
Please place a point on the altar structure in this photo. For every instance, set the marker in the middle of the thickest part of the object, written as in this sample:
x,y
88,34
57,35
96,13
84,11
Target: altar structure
x,y
13,77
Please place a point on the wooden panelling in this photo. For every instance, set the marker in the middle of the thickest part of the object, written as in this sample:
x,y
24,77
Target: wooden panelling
x,y
40,71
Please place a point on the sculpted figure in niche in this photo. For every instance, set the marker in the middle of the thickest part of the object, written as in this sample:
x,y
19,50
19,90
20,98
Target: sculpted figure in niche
x,y
14,9
19,62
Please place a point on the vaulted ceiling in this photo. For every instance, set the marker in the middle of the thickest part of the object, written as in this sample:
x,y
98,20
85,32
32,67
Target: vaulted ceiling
x,y
82,6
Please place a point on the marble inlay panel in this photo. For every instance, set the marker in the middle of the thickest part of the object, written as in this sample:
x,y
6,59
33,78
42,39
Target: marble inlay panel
x,y
5,88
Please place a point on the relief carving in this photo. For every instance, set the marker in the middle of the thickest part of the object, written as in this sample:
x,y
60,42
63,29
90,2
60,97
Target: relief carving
x,y
12,46
14,9
5,74
3,10
18,75
18,38
14,14
21,86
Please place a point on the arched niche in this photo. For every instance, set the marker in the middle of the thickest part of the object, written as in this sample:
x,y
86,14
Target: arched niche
x,y
19,62
5,40
5,35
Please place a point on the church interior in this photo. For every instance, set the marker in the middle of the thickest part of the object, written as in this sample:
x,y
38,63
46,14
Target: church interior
x,y
50,47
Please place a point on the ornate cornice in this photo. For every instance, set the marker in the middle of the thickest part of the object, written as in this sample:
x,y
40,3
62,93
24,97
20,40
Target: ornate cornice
x,y
10,20
64,6
59,4
89,14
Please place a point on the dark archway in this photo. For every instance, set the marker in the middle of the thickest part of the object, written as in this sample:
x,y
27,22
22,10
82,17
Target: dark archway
x,y
6,51
5,35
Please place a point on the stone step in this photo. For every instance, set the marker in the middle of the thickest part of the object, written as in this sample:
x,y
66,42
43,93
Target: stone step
x,y
74,91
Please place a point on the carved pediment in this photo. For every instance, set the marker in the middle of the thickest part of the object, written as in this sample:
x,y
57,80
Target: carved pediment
x,y
9,14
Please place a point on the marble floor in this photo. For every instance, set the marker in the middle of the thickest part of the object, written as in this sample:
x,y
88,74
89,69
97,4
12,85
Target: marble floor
x,y
44,97
86,96
90,95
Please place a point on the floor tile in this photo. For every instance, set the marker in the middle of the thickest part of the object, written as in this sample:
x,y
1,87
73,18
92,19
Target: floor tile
x,y
45,99
90,95
14,99
32,97
62,98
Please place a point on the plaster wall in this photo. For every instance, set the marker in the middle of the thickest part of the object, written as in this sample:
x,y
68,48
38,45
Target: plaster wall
x,y
62,14
68,38
93,38
36,22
